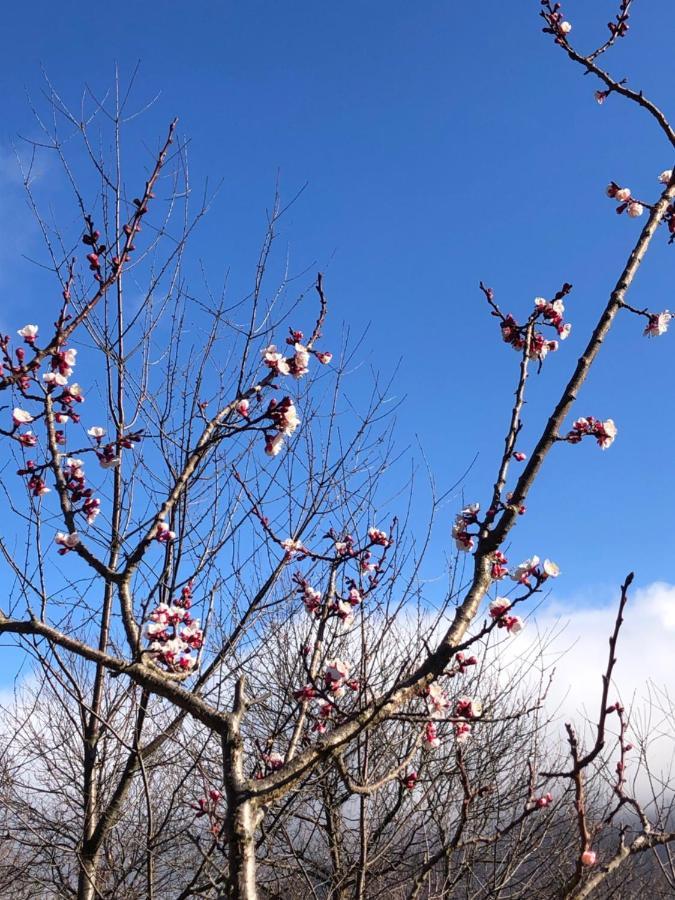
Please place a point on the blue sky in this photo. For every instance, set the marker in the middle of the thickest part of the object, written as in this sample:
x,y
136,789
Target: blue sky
x,y
441,144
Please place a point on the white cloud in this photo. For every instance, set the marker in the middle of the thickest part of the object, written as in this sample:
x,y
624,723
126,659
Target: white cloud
x,y
642,677
644,651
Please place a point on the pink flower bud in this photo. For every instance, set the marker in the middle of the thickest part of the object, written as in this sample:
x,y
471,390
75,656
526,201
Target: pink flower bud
x,y
588,858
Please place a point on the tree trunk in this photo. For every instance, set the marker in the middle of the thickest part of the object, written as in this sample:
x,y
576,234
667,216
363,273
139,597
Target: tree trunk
x,y
86,882
242,853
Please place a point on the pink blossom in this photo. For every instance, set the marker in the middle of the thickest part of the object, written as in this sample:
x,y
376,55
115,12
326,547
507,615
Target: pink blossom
x,y
243,408
61,418
299,364
606,433
565,27
543,802
305,693
92,507
499,606
635,209
366,565
521,457
169,646
274,760
379,537
28,333
410,780
462,732
345,613
354,597
437,698
108,462
21,417
163,534
275,360
155,631
69,357
468,516
658,323
601,96
468,708
53,378
75,391
540,347
323,357
312,599
551,569
463,541
66,541
527,568
292,547
498,570
430,740
513,624
74,468
37,487
284,415
193,635
27,439
335,674
96,432
274,444
622,194
588,858
664,178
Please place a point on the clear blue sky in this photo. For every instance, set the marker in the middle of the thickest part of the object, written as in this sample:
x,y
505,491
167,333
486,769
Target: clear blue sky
x,y
442,143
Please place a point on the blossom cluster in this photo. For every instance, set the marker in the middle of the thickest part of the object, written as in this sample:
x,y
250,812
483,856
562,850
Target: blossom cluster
x,y
346,548
283,414
76,486
542,802
532,568
339,607
208,806
285,420
173,634
499,610
514,335
336,682
551,312
439,706
467,517
36,483
531,573
627,203
556,23
163,533
657,323
465,709
604,432
66,397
